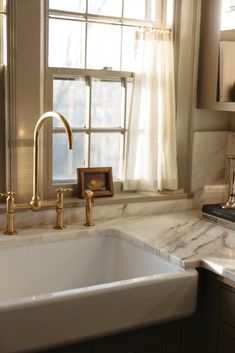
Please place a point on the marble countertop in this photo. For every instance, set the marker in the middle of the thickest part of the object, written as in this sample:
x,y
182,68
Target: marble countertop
x,y
180,237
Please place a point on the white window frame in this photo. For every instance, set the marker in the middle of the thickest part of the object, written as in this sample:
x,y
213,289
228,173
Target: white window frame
x,y
52,73
27,84
2,103
67,73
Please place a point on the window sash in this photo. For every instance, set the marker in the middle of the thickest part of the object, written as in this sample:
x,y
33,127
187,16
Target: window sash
x,y
2,98
160,16
53,72
121,22
27,115
68,73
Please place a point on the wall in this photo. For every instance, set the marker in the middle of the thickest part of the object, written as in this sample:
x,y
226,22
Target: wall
x,y
211,143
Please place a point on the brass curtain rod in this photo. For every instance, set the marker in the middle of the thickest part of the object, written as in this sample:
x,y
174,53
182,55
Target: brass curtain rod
x,y
156,28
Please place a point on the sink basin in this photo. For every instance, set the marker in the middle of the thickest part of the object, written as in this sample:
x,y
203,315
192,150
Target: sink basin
x,y
87,285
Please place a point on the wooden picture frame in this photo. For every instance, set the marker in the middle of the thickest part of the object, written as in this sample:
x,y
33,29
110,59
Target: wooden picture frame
x,y
98,180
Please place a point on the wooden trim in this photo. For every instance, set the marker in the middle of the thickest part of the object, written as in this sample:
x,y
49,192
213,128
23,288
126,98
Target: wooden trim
x,y
2,133
226,281
83,172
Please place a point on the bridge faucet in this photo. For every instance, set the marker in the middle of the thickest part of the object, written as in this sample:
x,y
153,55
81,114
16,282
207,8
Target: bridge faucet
x,y
36,203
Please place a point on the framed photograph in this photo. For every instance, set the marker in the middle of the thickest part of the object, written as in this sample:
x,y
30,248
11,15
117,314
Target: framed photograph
x,y
98,180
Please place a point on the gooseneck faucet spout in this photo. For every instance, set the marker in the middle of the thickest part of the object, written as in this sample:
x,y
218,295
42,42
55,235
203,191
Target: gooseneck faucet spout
x,y
36,203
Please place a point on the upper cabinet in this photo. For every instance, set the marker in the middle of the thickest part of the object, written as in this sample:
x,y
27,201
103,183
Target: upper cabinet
x,y
216,71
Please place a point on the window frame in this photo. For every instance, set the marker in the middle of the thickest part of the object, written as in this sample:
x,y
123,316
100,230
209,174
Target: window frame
x,y
27,83
68,73
52,72
3,169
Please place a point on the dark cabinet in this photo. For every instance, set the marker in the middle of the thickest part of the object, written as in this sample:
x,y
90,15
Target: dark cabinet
x,y
210,330
226,344
157,339
164,338
73,348
217,314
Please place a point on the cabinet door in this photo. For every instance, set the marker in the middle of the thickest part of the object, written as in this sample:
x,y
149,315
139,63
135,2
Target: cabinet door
x,y
218,315
75,348
159,339
226,344
159,348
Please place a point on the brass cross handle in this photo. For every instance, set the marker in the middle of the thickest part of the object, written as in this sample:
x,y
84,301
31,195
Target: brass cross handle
x,y
10,229
89,196
10,196
61,190
60,195
60,208
9,193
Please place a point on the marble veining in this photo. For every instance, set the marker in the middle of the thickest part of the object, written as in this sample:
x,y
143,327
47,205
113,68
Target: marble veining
x,y
181,237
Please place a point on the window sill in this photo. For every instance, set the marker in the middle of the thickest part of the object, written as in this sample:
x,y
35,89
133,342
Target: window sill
x,y
119,198
130,197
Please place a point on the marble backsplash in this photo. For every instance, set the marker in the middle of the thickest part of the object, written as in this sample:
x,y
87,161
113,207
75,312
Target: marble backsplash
x,y
209,185
27,218
210,166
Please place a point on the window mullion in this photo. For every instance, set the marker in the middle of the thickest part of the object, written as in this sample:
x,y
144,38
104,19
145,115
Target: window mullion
x,y
85,59
87,130
108,109
124,80
89,102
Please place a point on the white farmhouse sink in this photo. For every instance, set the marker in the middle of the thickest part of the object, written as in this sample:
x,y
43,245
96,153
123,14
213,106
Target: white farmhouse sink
x,y
69,290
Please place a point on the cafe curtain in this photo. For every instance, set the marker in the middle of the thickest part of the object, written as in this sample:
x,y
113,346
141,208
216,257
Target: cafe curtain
x,y
150,163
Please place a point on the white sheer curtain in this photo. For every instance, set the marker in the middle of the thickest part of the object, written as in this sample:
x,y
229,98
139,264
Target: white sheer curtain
x,y
151,144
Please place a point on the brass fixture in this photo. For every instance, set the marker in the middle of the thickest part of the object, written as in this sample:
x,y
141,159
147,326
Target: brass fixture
x,y
60,208
231,200
10,196
89,196
36,203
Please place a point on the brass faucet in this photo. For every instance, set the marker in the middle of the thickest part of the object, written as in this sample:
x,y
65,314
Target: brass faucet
x,y
36,203
60,208
89,196
10,230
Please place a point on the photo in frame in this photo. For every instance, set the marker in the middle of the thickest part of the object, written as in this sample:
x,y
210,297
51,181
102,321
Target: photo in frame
x,y
99,180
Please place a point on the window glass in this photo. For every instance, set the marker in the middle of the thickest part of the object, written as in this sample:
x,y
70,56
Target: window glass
x,y
97,106
105,7
139,9
106,107
66,43
103,46
128,49
107,150
68,5
69,98
128,99
228,15
66,162
170,13
3,33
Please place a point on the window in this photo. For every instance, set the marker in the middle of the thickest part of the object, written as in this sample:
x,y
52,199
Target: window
x,y
2,95
91,48
30,92
2,32
227,15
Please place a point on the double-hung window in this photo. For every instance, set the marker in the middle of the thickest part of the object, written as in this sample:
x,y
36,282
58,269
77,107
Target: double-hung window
x,y
2,93
90,69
